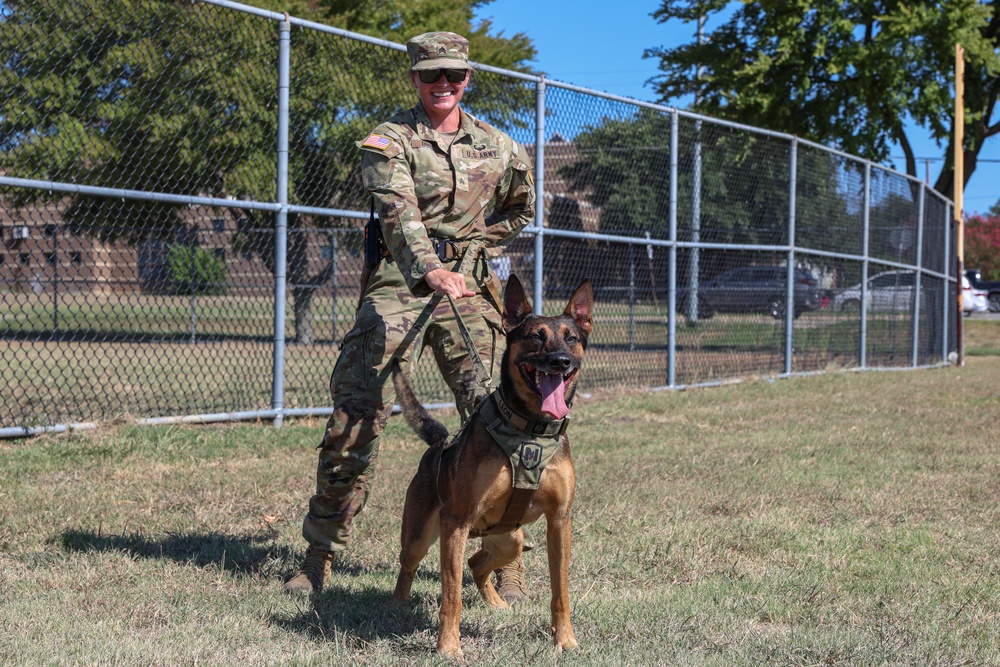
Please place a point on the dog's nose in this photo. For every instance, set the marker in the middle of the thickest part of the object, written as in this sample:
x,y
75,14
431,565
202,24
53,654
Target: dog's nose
x,y
560,362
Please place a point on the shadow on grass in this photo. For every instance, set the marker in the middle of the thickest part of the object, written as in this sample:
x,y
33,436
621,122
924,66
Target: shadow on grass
x,y
248,554
354,616
342,613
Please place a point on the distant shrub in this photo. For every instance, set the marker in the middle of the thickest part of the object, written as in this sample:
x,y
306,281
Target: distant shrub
x,y
982,245
195,271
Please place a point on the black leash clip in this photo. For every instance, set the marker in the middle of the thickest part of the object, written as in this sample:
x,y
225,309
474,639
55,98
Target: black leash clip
x,y
446,249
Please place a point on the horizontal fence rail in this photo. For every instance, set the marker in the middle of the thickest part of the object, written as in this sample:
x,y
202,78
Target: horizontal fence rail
x,y
182,216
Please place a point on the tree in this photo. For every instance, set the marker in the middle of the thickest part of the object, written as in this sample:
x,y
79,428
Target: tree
x,y
982,245
846,73
625,165
181,98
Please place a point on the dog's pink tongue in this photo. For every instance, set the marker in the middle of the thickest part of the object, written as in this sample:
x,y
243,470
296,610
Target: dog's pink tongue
x,y
553,391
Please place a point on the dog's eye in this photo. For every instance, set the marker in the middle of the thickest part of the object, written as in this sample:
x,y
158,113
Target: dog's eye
x,y
571,340
536,336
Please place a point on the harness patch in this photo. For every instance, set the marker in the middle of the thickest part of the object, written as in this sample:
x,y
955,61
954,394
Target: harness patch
x,y
528,458
530,454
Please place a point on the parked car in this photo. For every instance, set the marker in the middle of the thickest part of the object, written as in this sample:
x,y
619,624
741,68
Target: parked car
x,y
973,300
754,289
991,287
890,291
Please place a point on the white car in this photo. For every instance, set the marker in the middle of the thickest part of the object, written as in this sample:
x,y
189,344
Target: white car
x,y
887,291
973,300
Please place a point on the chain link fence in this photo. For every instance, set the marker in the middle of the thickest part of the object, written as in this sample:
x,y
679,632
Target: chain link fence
x,y
182,221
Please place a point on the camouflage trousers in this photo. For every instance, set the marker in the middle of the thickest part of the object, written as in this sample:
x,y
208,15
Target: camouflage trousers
x,y
390,322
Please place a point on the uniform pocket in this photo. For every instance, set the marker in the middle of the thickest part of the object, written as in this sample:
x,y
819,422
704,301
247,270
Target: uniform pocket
x,y
361,347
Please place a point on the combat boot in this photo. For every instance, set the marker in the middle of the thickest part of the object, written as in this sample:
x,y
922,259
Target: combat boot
x,y
313,572
510,582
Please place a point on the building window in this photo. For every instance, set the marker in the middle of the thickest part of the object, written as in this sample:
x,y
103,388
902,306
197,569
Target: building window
x,y
51,259
24,258
220,253
326,252
3,259
51,229
219,224
76,258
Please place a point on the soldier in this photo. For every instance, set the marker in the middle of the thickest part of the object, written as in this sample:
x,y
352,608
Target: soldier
x,y
451,192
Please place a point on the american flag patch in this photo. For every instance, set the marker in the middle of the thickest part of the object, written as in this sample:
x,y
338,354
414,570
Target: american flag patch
x,y
377,141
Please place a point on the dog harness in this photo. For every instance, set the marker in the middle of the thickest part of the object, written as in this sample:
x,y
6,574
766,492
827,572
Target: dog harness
x,y
529,444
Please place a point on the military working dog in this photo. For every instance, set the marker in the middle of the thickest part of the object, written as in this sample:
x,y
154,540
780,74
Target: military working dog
x,y
508,466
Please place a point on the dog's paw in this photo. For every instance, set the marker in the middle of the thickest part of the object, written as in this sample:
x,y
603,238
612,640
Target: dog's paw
x,y
453,654
565,639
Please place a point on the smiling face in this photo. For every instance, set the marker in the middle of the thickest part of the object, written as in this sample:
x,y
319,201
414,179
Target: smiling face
x,y
440,100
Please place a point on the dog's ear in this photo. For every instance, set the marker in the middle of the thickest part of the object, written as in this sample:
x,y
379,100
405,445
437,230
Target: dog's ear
x,y
581,306
516,306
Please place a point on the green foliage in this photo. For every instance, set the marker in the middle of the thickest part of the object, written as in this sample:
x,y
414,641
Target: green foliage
x,y
844,73
982,245
195,271
182,98
744,182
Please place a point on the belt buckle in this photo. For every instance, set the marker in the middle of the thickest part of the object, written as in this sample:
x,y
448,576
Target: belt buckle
x,y
442,247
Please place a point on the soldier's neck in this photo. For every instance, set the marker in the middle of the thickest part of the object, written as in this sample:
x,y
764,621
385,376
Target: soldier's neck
x,y
447,123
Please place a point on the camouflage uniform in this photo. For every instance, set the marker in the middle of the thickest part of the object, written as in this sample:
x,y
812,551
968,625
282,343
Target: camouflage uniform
x,y
477,187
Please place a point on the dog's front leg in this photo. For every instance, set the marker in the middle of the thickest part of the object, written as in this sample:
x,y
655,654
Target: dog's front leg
x,y
559,540
453,538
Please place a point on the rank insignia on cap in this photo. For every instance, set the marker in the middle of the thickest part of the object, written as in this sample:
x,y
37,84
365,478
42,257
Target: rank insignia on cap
x,y
377,141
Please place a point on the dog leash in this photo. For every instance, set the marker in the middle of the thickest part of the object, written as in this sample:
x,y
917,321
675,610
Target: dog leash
x,y
483,378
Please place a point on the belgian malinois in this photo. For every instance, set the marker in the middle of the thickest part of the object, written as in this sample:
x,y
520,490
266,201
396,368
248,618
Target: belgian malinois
x,y
509,465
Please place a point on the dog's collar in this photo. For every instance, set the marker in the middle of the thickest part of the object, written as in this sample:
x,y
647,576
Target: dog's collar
x,y
535,427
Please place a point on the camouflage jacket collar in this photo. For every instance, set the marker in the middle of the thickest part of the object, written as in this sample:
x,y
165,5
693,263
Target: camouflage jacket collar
x,y
422,123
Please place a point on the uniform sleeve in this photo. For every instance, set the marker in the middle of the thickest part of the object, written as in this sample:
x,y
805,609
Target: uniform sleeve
x,y
386,176
515,202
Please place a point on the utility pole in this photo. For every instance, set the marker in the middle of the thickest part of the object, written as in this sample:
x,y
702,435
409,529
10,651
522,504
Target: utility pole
x,y
959,188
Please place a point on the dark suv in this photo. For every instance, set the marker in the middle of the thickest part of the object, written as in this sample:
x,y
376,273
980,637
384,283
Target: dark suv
x,y
991,287
754,289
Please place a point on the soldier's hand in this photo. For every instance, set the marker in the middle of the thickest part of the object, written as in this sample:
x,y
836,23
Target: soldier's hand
x,y
447,282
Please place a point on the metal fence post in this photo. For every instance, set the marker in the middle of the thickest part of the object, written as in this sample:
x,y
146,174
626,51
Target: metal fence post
x,y
918,294
539,193
865,228
631,298
946,296
672,269
281,225
790,275
694,264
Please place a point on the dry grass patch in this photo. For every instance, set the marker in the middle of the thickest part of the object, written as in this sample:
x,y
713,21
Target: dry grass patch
x,y
845,519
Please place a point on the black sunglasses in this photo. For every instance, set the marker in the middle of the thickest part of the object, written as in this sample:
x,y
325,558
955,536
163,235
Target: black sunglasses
x,y
432,75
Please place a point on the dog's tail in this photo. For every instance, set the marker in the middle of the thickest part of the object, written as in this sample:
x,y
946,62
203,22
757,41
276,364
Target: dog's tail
x,y
429,429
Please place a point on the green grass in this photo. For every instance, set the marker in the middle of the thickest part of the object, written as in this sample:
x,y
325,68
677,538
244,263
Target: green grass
x,y
982,337
839,519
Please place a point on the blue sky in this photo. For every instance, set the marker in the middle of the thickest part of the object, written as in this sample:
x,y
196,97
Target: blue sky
x,y
599,45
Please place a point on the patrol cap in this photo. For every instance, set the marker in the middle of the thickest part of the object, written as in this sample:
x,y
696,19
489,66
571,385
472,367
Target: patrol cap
x,y
438,50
